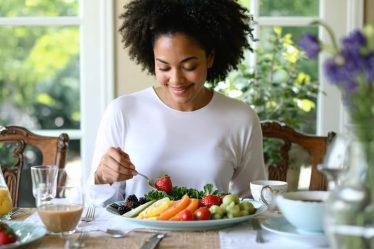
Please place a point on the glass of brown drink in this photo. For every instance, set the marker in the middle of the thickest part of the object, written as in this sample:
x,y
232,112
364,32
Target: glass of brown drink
x,y
61,214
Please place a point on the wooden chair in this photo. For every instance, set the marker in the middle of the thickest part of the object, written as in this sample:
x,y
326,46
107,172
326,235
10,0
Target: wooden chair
x,y
53,151
315,146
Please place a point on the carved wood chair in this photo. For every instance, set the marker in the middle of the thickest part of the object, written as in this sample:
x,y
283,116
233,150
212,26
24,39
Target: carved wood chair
x,y
314,147
23,144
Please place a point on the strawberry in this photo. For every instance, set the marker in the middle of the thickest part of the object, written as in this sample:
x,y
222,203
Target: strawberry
x,y
210,200
164,184
7,234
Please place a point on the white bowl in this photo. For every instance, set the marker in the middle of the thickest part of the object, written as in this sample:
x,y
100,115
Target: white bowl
x,y
303,209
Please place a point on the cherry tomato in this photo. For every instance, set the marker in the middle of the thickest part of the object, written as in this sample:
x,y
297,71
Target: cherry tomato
x,y
202,213
186,215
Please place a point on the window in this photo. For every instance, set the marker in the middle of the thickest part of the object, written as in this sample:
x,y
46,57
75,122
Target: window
x,y
58,72
294,17
280,84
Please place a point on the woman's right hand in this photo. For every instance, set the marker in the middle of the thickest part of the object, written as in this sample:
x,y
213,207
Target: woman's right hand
x,y
115,166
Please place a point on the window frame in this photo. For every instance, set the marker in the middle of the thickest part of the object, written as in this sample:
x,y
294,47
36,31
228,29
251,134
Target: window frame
x,y
95,21
348,15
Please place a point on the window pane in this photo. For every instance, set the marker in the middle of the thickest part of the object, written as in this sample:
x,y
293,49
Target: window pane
x,y
289,8
39,83
297,76
245,3
12,8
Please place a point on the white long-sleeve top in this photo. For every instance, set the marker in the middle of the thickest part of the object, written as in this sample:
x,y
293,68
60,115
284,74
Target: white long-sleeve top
x,y
220,144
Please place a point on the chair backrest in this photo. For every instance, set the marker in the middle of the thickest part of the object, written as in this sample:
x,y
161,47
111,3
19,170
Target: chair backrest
x,y
314,146
53,151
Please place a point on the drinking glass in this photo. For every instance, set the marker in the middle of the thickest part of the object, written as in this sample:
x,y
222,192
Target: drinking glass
x,y
61,214
5,198
44,180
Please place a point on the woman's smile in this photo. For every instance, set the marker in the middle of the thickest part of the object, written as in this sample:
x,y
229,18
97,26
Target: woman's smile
x,y
181,67
180,90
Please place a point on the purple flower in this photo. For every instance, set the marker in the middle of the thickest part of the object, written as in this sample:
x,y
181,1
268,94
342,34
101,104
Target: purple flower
x,y
333,71
337,72
352,61
310,44
370,67
354,41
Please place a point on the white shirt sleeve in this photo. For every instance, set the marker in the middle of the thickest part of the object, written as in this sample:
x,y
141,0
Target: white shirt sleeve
x,y
109,133
251,166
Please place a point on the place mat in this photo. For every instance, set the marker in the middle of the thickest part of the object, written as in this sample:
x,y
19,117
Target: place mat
x,y
175,240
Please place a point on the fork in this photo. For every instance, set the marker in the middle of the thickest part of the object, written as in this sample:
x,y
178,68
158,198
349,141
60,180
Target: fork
x,y
78,242
10,215
90,215
257,227
150,182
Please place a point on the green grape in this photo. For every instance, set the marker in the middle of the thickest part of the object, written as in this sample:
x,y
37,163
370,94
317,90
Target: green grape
x,y
234,210
230,198
229,206
216,210
223,206
229,215
243,212
247,206
217,216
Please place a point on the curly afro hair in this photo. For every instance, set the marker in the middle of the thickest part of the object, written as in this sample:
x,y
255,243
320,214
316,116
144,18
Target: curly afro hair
x,y
221,26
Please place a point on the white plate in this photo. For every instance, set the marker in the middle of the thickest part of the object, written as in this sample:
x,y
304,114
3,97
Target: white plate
x,y
26,233
281,226
191,225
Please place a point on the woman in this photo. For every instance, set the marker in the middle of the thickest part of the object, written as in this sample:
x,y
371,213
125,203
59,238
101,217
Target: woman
x,y
180,128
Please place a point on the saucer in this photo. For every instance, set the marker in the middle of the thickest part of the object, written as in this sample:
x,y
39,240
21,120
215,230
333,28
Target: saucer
x,y
281,226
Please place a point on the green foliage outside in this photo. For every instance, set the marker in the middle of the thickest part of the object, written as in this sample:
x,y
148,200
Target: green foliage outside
x,y
277,87
289,7
39,73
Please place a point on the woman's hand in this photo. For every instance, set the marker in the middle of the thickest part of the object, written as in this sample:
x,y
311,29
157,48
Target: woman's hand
x,y
115,166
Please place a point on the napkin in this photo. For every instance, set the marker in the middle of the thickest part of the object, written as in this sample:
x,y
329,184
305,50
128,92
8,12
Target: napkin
x,y
243,236
103,220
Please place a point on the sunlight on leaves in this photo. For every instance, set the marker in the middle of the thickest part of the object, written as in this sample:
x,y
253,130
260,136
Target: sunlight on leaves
x,y
305,104
45,99
51,53
302,78
76,116
271,104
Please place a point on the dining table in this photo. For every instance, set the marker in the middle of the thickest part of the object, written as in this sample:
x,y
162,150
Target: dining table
x,y
238,235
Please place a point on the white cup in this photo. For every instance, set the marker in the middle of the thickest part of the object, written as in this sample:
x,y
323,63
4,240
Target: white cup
x,y
265,190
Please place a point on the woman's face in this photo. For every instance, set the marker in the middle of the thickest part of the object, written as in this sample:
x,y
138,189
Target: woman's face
x,y
181,67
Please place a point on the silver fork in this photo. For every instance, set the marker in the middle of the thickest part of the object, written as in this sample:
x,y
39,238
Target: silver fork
x,y
150,182
90,215
78,242
257,227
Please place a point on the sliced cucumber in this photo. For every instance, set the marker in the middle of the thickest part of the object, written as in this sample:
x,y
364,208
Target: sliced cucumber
x,y
134,212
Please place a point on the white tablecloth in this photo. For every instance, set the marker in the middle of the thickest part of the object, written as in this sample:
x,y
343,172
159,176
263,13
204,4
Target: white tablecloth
x,y
243,236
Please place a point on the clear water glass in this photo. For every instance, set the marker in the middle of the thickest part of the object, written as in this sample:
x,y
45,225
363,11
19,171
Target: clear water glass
x,y
44,181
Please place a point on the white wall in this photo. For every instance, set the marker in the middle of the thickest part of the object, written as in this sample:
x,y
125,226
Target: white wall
x,y
129,76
